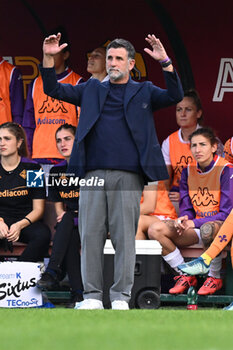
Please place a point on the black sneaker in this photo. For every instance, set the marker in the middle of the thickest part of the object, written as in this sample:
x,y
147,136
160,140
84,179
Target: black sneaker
x,y
48,281
75,298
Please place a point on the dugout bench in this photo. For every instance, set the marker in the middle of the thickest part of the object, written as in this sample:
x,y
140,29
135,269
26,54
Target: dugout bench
x,y
146,291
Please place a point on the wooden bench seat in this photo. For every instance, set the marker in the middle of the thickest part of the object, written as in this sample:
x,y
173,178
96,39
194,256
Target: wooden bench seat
x,y
195,250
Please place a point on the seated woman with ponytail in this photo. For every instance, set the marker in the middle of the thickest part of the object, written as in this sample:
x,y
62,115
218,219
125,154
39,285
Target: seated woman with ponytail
x,y
21,206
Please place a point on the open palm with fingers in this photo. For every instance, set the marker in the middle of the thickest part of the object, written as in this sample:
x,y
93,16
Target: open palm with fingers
x,y
51,45
158,52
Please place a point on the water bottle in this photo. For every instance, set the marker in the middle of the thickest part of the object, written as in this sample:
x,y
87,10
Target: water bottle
x,y
192,299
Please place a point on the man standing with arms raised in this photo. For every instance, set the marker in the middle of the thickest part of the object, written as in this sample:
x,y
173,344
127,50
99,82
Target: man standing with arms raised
x,y
115,141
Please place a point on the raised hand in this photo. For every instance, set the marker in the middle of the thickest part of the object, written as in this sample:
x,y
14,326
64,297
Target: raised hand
x,y
51,45
158,52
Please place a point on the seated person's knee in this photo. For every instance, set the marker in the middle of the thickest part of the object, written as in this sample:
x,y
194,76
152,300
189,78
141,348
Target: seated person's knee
x,y
155,230
207,231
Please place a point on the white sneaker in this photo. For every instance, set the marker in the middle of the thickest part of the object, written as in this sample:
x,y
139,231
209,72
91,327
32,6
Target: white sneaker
x,y
195,267
89,304
120,305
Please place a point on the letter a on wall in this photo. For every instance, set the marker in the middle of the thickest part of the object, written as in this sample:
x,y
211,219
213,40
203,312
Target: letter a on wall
x,y
225,79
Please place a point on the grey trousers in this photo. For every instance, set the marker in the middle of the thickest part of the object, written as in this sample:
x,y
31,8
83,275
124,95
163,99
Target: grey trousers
x,y
114,208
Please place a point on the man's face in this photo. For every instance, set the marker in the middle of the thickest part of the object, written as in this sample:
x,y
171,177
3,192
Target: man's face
x,y
97,61
118,65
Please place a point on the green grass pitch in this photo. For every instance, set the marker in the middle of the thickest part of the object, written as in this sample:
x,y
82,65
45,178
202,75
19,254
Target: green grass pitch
x,y
162,329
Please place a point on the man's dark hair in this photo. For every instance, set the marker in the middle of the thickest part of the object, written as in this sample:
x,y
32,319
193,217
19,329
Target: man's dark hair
x,y
118,43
